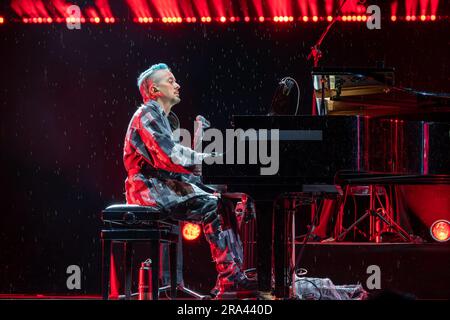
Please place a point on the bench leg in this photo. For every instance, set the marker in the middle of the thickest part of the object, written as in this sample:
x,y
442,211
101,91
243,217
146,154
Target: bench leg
x,y
173,246
106,268
155,256
128,268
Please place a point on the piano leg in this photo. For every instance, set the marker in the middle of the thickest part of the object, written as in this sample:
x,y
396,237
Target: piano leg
x,y
264,212
283,242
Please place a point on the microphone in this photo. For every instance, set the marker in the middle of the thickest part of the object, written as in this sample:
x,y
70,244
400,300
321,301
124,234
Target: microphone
x,y
205,123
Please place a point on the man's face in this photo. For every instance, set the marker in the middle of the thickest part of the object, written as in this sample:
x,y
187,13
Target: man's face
x,y
167,86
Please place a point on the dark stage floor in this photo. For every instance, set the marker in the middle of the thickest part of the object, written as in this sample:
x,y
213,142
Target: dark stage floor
x,y
419,271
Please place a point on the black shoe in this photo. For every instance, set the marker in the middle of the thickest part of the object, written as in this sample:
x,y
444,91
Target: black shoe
x,y
241,287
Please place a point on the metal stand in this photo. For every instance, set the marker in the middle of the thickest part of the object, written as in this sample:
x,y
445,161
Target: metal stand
x,y
180,286
376,219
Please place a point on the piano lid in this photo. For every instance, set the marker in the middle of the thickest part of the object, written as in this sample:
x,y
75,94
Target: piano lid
x,y
372,92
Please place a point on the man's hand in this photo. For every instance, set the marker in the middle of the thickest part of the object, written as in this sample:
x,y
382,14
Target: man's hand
x,y
196,169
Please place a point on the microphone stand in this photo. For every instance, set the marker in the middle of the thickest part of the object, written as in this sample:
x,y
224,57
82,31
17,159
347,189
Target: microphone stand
x,y
316,55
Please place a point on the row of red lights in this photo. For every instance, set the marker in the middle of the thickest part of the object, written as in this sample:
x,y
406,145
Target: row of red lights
x,y
68,20
280,19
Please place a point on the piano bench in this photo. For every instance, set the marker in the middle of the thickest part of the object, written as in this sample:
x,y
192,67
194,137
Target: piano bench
x,y
129,223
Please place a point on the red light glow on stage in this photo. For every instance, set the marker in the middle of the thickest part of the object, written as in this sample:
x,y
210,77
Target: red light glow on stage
x,y
2,20
191,231
224,11
440,230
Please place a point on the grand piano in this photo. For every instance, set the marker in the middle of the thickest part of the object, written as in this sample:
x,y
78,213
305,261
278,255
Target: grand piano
x,y
367,128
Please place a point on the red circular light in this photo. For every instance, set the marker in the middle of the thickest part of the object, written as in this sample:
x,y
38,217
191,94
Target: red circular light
x,y
179,20
247,19
232,19
223,19
112,20
413,18
433,17
25,20
107,20
344,18
2,20
97,20
191,231
440,230
275,19
83,20
329,18
261,19
208,19
194,19
305,18
423,17
393,18
315,18
291,18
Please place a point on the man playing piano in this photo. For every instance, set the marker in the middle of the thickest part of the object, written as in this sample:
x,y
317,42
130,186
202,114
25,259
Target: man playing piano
x,y
163,173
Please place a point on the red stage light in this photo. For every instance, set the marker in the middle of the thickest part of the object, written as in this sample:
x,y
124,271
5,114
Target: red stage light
x,y
393,18
358,18
440,230
232,19
433,17
2,20
413,18
261,19
208,19
364,18
305,18
145,20
423,17
191,231
83,20
275,19
97,20
291,18
315,18
49,20
188,20
223,19
140,20
179,19
408,18
344,18
107,20
194,19
25,20
353,18
247,19
329,18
